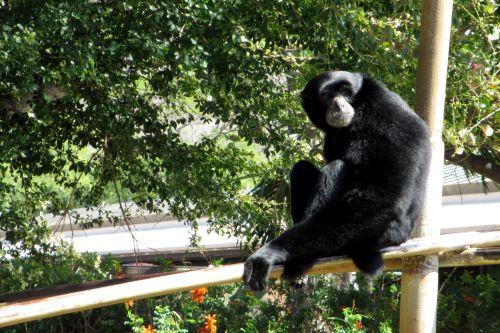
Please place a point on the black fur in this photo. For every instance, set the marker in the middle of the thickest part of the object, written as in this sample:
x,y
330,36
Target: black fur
x,y
370,193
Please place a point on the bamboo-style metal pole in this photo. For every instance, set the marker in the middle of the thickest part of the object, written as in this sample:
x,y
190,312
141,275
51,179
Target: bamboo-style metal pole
x,y
419,284
455,249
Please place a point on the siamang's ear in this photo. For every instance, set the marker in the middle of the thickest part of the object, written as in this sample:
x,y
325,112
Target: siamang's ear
x,y
304,94
308,93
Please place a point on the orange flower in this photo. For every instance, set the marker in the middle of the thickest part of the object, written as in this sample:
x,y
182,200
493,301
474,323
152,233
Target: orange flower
x,y
148,329
359,325
129,303
210,325
468,298
198,294
236,304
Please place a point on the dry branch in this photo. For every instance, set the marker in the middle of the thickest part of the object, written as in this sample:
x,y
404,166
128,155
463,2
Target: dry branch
x,y
475,163
446,245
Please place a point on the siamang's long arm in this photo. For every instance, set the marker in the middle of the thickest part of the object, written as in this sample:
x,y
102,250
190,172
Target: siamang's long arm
x,y
306,233
317,236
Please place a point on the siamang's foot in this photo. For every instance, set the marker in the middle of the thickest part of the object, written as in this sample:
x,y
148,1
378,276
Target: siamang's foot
x,y
295,269
370,263
256,272
299,283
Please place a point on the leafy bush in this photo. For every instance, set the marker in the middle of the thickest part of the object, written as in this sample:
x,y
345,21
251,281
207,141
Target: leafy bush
x,y
467,303
59,264
470,303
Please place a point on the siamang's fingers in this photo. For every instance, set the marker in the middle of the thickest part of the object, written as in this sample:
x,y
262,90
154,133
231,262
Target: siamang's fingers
x,y
256,272
261,269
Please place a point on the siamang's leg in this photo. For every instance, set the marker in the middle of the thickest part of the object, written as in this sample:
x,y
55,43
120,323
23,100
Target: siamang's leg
x,y
303,179
368,261
324,192
328,187
317,190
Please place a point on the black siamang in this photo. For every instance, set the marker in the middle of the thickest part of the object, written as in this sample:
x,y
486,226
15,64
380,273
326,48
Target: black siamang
x,y
369,194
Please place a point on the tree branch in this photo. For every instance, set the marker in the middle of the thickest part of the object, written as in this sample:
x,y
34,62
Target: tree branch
x,y
475,163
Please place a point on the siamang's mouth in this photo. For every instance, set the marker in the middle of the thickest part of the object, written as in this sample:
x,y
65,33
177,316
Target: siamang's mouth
x,y
339,118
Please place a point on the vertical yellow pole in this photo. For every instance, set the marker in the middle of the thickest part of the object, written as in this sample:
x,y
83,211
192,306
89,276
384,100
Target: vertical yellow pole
x,y
419,284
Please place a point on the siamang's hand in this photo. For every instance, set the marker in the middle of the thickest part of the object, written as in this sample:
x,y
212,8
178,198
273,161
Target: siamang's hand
x,y
256,272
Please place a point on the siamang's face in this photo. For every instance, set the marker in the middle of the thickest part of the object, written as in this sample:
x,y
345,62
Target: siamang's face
x,y
336,97
334,92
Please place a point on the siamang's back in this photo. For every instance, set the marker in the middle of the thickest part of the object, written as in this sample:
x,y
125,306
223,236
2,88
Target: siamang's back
x,y
386,149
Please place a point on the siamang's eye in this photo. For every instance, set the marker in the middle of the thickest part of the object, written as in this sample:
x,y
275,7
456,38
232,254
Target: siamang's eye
x,y
327,93
345,91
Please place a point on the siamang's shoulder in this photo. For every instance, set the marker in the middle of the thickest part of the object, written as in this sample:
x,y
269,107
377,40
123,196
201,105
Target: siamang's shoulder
x,y
389,107
379,97
372,87
376,92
